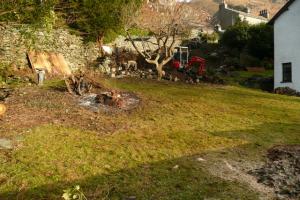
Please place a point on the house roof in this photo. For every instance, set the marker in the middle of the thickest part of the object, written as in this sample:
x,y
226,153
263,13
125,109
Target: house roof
x,y
281,11
251,15
247,14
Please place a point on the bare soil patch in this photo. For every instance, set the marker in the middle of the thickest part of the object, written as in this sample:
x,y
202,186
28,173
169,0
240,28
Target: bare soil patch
x,y
282,171
29,107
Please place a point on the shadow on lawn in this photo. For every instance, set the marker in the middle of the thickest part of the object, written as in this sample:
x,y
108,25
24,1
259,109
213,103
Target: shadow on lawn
x,y
181,178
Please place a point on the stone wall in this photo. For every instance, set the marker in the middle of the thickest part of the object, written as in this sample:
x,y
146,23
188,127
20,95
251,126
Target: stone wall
x,y
122,42
16,42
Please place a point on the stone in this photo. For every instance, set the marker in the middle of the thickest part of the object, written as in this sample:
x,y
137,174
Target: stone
x,y
5,143
200,159
131,198
176,167
14,46
2,109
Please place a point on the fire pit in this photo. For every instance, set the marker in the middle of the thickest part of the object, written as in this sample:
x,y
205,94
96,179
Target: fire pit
x,y
110,101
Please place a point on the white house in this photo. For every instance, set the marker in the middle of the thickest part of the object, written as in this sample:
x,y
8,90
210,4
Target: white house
x,y
287,46
228,16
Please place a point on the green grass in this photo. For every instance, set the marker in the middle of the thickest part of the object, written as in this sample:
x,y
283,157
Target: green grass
x,y
242,76
176,124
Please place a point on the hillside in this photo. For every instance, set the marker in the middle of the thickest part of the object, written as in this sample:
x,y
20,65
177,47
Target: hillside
x,y
201,12
211,6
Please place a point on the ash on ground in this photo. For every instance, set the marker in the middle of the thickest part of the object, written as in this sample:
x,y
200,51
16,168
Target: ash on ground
x,y
282,171
110,101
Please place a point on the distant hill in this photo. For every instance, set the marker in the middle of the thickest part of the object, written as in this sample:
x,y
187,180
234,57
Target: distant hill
x,y
203,12
212,6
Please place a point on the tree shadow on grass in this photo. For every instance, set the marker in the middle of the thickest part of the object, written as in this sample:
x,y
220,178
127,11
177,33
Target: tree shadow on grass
x,y
181,178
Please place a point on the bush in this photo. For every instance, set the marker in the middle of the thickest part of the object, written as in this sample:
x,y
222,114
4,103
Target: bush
x,y
267,64
236,36
232,61
249,61
261,41
209,38
256,39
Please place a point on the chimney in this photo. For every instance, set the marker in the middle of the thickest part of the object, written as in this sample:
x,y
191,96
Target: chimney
x,y
248,10
264,13
223,5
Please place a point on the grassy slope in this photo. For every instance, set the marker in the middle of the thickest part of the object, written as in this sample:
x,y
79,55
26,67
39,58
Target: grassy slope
x,y
176,124
242,76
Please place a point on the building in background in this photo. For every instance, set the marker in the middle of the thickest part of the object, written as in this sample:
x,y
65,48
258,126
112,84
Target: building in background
x,y
228,16
287,46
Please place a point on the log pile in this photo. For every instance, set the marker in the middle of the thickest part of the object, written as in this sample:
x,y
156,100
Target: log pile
x,y
78,84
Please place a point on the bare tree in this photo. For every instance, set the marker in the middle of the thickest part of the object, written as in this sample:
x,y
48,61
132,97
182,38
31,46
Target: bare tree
x,y
166,24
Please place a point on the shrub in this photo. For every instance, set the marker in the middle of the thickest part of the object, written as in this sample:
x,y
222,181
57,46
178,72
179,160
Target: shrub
x,y
261,41
232,61
209,37
249,61
256,39
236,36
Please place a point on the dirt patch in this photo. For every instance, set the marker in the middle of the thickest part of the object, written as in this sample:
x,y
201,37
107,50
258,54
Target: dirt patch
x,y
33,106
237,171
281,171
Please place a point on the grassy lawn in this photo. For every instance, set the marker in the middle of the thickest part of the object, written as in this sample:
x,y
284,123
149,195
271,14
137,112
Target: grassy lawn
x,y
242,76
152,154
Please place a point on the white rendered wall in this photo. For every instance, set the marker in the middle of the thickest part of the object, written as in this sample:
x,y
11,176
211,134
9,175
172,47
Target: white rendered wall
x,y
252,20
287,45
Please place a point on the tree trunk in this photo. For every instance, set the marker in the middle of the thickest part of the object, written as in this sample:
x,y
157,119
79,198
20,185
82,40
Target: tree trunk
x,y
100,39
159,68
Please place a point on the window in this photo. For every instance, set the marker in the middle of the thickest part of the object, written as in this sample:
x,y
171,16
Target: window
x,y
287,72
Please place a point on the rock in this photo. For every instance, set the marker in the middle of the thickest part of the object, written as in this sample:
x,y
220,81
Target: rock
x,y
2,109
200,159
5,143
287,91
15,45
176,167
131,198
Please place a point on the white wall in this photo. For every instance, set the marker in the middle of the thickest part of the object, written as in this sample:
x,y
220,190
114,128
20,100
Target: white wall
x,y
252,20
287,45
228,17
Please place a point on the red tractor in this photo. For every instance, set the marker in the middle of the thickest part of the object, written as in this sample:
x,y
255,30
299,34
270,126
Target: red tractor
x,y
182,62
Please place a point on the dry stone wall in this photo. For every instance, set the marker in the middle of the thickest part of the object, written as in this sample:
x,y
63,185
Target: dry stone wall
x,y
16,42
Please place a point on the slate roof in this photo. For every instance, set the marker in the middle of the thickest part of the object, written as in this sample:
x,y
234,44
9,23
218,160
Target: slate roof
x,y
281,11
